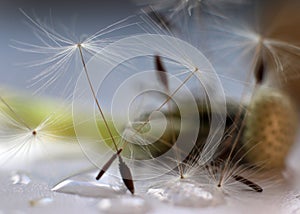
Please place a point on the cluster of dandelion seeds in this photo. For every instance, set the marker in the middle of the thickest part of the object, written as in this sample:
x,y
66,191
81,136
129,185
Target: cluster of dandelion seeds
x,y
184,143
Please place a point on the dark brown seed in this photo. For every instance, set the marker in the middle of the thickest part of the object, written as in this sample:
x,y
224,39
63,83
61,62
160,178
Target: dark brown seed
x,y
161,72
250,184
259,71
108,164
126,175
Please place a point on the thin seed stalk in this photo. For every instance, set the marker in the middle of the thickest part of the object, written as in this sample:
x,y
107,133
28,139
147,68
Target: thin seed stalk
x,y
124,169
256,60
95,98
162,74
177,154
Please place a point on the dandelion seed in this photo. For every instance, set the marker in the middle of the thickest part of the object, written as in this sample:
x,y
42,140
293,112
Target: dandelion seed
x,y
230,176
22,143
61,51
124,170
245,47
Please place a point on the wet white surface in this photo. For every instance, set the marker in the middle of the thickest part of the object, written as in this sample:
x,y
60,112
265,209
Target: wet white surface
x,y
30,191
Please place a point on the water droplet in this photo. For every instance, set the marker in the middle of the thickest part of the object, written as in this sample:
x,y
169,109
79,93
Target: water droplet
x,y
124,205
40,202
86,185
20,178
185,193
291,202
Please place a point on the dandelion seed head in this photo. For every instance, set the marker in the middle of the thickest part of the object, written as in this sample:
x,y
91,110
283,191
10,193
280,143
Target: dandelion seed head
x,y
271,126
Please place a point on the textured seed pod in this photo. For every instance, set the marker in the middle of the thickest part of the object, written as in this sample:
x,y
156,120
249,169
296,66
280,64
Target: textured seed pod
x,y
270,128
